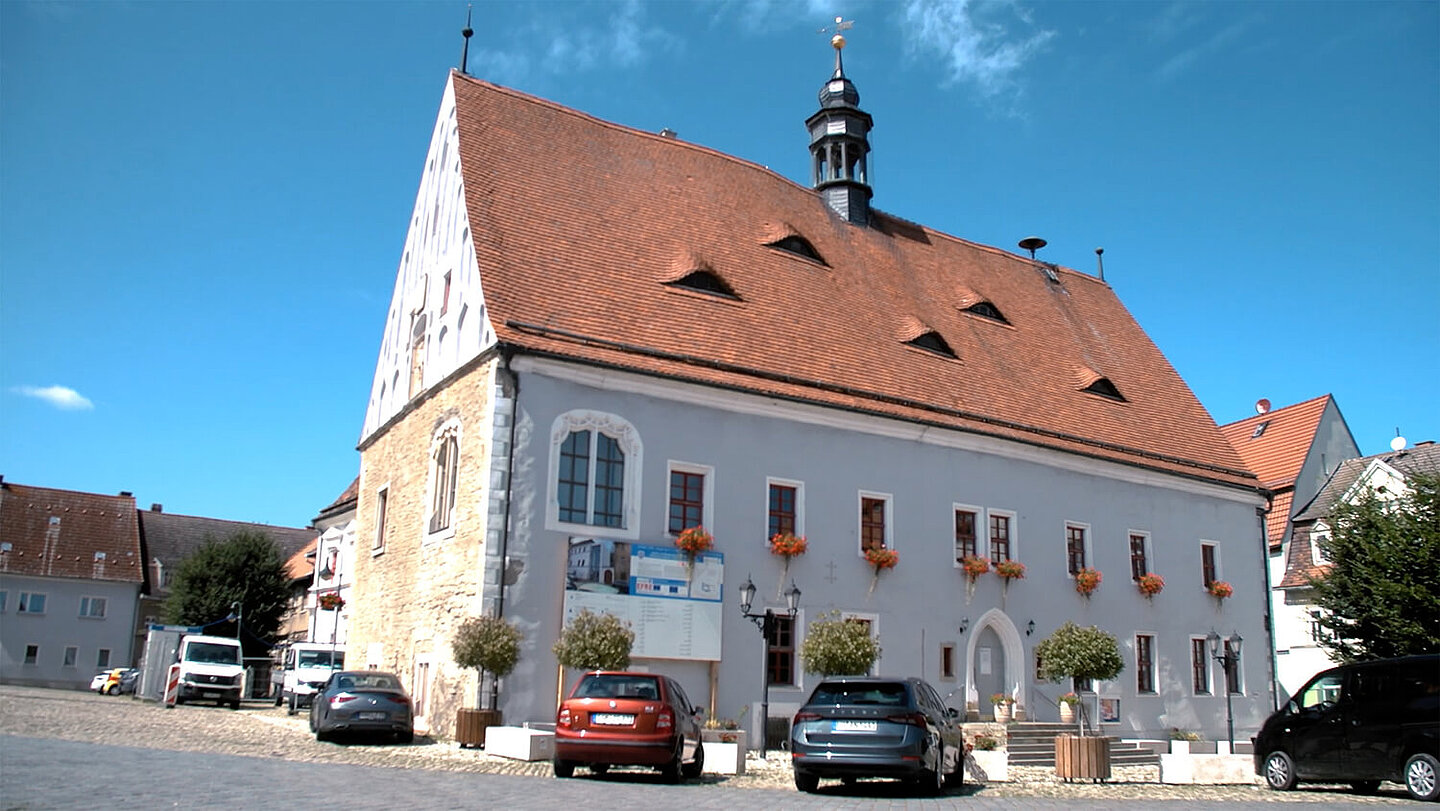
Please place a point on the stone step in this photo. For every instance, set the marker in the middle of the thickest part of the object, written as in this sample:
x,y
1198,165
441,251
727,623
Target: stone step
x,y
1033,744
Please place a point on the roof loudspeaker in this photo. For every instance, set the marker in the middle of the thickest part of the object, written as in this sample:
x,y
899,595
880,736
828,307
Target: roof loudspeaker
x,y
1032,244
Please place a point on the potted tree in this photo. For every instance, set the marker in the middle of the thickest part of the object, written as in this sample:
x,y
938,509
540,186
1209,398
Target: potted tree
x,y
593,641
486,644
1080,653
835,646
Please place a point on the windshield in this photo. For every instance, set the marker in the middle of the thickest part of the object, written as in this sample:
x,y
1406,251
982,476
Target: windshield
x,y
618,686
888,694
213,654
321,658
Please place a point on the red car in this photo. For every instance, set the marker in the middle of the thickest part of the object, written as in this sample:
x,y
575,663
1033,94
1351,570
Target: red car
x,y
628,719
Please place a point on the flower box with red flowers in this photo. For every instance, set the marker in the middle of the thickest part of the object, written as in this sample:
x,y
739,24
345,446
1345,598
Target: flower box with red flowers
x,y
787,546
1010,570
1219,589
1150,584
974,565
694,540
882,558
330,601
1087,580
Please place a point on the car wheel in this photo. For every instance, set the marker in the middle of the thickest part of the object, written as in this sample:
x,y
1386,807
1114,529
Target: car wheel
x,y
564,768
806,782
293,706
1420,777
1364,787
694,768
671,771
322,735
279,697
113,691
1279,771
408,736
234,703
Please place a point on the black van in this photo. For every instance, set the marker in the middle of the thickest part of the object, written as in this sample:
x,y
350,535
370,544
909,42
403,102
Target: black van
x,y
1358,724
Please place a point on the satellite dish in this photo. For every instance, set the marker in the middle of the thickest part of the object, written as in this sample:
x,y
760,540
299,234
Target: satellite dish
x,y
1262,406
1398,443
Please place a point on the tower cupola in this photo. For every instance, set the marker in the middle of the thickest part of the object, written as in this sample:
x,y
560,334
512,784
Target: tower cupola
x,y
840,142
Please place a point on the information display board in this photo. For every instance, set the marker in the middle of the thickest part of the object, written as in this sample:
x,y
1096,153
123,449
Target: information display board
x,y
672,606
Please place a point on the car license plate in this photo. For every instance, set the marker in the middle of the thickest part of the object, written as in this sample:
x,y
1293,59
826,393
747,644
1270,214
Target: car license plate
x,y
209,695
853,726
370,716
612,719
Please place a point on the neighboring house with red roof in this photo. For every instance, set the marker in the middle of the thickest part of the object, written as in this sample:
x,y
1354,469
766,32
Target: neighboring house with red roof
x,y
600,333
1385,474
1294,450
70,577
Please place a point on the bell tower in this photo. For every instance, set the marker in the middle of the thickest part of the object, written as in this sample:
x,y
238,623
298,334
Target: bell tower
x,y
840,142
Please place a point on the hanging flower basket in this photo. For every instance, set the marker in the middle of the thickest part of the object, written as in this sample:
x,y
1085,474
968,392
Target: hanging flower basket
x,y
974,566
1087,580
330,601
1219,589
692,542
881,558
1150,585
786,546
1010,570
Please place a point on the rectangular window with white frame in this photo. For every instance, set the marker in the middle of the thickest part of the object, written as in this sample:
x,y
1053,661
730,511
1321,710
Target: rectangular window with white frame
x,y
1209,563
30,602
947,660
877,530
1139,554
32,655
967,529
1145,663
691,496
3,595
595,464
444,479
92,607
1199,666
72,655
785,508
102,658
1002,536
1077,546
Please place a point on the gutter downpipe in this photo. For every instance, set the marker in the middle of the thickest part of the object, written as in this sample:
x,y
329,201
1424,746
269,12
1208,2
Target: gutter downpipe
x,y
506,354
1261,513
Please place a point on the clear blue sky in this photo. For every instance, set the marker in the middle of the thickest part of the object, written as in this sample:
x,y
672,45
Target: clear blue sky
x,y
202,205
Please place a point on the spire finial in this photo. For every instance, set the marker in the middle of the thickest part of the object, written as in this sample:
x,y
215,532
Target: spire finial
x,y
838,42
466,32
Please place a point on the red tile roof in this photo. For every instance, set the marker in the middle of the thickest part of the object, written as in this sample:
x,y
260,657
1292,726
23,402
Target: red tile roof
x,y
302,563
64,533
1279,516
578,223
1278,453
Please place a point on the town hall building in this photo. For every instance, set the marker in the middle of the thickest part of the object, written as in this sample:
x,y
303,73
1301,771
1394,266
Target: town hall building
x,y
600,337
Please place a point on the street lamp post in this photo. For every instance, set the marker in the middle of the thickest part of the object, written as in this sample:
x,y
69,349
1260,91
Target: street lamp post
x,y
328,573
1229,657
766,623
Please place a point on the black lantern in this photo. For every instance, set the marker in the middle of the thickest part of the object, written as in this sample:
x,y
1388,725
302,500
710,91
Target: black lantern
x,y
766,623
1228,656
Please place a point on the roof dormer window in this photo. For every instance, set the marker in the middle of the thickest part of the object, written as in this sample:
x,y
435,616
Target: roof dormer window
x,y
1103,387
985,309
1260,429
797,245
705,281
932,342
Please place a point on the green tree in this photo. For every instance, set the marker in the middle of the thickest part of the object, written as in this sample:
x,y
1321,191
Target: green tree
x,y
1073,652
835,646
245,568
487,643
595,642
1381,594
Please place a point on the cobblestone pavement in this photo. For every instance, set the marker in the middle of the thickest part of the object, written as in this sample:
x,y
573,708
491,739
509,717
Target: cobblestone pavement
x,y
259,730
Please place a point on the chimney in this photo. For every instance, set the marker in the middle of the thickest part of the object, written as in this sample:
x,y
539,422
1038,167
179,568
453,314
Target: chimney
x,y
126,494
155,508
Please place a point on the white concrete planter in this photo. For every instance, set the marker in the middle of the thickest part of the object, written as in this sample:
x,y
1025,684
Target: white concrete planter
x,y
520,743
1179,747
724,750
987,766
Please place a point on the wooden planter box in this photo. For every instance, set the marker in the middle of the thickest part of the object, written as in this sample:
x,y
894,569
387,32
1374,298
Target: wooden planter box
x,y
470,726
1082,758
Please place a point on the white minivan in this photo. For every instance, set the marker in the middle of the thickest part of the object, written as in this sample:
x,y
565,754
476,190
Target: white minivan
x,y
306,667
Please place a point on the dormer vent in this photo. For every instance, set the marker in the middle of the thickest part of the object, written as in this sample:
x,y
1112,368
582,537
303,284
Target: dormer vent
x,y
704,280
985,309
932,342
797,245
1103,387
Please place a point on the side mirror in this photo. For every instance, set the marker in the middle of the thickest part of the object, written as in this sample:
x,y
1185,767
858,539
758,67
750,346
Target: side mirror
x,y
951,712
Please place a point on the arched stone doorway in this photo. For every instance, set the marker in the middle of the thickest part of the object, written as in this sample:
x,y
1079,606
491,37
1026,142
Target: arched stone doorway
x,y
996,659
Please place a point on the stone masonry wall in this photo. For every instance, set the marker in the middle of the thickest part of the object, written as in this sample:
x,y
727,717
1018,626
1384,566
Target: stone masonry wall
x,y
409,599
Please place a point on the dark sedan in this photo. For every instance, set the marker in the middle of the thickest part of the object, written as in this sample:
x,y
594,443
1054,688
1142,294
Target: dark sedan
x,y
362,701
853,727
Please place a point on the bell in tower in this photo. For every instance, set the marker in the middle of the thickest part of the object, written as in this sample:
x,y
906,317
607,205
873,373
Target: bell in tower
x,y
840,144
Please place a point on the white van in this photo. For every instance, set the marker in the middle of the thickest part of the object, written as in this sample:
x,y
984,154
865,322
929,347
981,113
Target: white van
x,y
306,668
211,667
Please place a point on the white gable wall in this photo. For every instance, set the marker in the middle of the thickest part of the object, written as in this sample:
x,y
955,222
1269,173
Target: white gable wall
x,y
426,335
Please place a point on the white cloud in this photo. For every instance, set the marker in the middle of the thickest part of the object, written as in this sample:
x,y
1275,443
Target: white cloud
x,y
58,396
985,44
557,46
1219,41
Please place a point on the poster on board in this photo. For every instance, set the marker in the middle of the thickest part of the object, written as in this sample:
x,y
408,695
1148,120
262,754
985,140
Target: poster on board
x,y
672,606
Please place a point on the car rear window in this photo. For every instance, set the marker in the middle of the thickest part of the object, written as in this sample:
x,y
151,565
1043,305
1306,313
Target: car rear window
x,y
618,686
892,694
